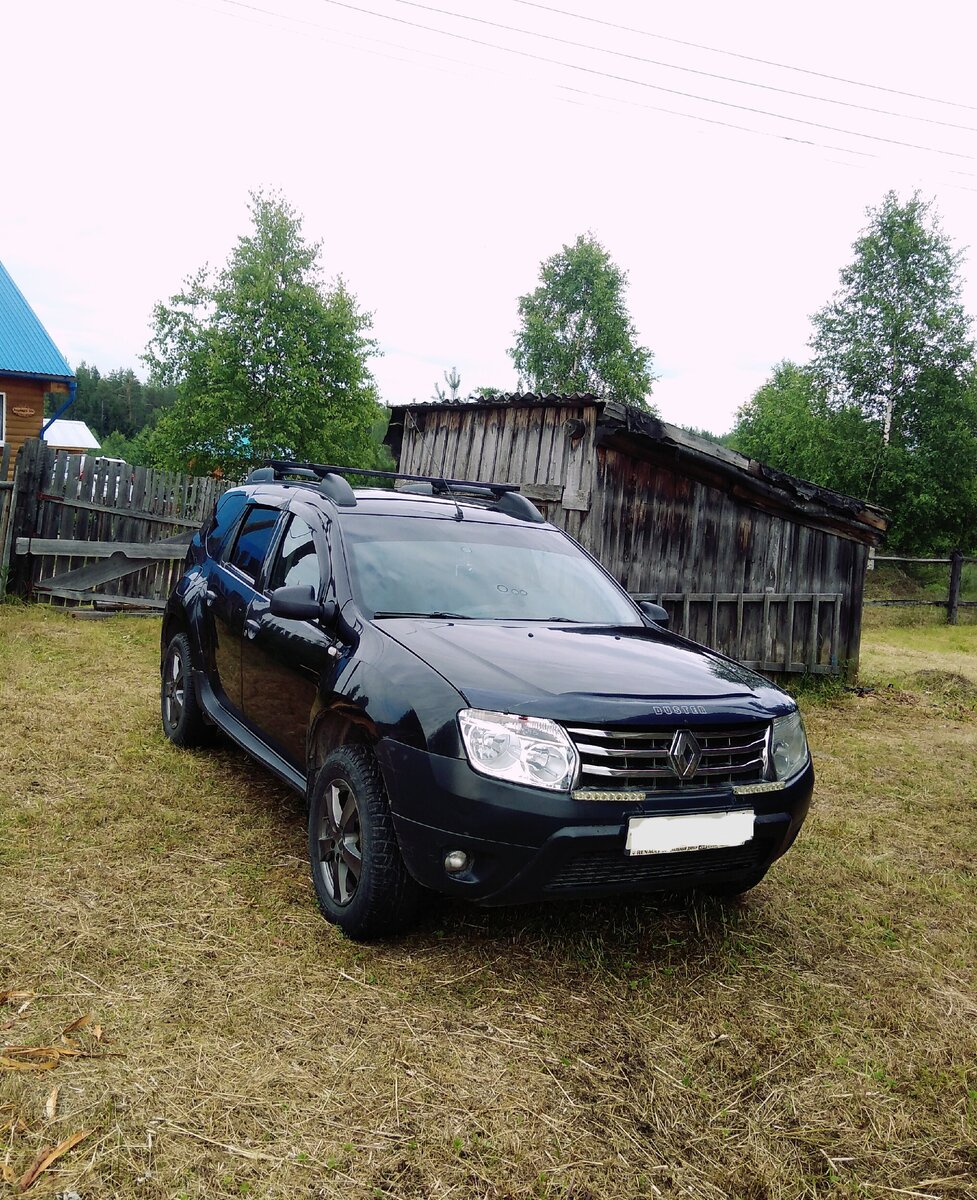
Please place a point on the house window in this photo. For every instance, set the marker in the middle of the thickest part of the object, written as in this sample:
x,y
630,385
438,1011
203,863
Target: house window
x,y
3,414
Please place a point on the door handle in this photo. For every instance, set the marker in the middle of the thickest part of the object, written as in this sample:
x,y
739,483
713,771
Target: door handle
x,y
251,627
210,596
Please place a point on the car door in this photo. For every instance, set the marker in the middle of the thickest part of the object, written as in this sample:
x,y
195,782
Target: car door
x,y
232,587
283,660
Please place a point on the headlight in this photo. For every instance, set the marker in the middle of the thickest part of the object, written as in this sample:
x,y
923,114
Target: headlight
x,y
788,746
518,749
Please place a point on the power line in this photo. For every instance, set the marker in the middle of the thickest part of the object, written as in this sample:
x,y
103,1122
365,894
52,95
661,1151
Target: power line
x,y
655,62
574,92
644,83
876,87
560,87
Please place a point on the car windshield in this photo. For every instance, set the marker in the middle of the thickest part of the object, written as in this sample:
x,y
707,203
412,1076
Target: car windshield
x,y
406,566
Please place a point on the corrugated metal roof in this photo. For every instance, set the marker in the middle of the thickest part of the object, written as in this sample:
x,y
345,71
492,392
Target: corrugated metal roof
x,y
643,434
26,347
509,399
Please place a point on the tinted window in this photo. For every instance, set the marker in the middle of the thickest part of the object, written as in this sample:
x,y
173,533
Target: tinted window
x,y
296,561
405,565
228,510
253,540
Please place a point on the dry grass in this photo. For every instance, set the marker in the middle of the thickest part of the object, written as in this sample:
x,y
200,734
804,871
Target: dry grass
x,y
819,1040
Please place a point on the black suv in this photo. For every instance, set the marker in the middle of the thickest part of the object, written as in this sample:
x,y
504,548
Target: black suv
x,y
469,702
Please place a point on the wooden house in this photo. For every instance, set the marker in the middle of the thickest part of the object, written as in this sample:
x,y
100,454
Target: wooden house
x,y
767,568
31,367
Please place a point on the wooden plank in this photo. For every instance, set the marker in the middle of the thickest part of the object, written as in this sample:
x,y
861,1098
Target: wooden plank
x,y
765,653
83,595
547,492
142,514
789,639
549,461
953,599
834,657
168,549
503,462
89,577
812,660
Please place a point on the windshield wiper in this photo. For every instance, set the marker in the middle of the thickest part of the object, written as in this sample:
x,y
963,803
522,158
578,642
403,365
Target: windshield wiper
x,y
438,615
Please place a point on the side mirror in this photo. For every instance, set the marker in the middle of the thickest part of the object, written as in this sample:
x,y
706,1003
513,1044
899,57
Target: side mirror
x,y
654,612
296,603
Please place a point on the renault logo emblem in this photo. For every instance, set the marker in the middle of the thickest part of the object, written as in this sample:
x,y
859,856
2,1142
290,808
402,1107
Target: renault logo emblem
x,y
684,754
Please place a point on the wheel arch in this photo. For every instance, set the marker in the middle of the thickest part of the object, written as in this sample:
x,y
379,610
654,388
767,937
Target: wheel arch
x,y
342,725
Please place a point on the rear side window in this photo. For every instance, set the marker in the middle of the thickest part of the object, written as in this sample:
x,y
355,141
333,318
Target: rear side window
x,y
253,540
228,510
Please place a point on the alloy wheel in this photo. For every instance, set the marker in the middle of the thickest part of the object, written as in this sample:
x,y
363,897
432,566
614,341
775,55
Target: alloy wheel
x,y
340,851
174,688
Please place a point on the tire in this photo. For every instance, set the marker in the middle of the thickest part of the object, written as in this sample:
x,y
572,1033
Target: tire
x,y
183,719
360,880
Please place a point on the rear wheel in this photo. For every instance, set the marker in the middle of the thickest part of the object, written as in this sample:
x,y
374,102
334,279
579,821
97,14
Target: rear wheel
x,y
183,719
360,879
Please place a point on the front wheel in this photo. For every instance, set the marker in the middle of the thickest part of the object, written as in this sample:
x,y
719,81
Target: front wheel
x,y
183,718
358,873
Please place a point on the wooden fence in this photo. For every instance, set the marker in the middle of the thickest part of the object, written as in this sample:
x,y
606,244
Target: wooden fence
x,y
6,509
794,632
93,530
952,603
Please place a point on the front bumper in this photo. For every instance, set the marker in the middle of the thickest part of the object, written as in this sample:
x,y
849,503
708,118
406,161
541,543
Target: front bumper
x,y
526,844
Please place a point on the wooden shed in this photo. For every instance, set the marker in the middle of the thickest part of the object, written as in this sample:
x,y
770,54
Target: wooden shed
x,y
767,568
31,367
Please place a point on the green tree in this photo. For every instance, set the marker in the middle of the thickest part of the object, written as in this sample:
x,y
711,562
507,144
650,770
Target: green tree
x,y
117,402
789,424
896,327
894,345
268,361
887,409
576,334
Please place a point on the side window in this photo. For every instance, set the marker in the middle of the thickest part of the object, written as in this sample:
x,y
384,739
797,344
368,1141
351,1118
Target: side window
x,y
296,561
253,540
228,510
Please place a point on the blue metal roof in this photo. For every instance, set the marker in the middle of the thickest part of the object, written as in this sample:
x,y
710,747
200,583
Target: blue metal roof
x,y
26,348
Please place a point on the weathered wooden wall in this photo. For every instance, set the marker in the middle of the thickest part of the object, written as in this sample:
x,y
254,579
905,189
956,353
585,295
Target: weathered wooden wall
x,y
769,588
124,530
664,534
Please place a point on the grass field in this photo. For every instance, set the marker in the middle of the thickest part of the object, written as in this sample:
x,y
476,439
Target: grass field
x,y
170,995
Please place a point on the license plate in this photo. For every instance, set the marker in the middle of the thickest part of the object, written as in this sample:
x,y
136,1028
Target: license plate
x,y
694,831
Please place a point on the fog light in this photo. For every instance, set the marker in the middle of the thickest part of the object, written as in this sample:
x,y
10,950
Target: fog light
x,y
456,861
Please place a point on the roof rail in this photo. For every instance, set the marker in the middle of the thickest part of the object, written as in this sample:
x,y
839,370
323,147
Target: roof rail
x,y
332,483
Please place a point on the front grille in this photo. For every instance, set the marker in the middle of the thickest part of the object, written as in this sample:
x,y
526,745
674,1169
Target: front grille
x,y
638,759
610,868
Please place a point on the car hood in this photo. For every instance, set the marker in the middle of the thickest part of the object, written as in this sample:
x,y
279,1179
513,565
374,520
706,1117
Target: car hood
x,y
586,673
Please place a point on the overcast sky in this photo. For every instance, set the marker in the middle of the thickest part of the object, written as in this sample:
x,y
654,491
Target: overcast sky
x,y
438,171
